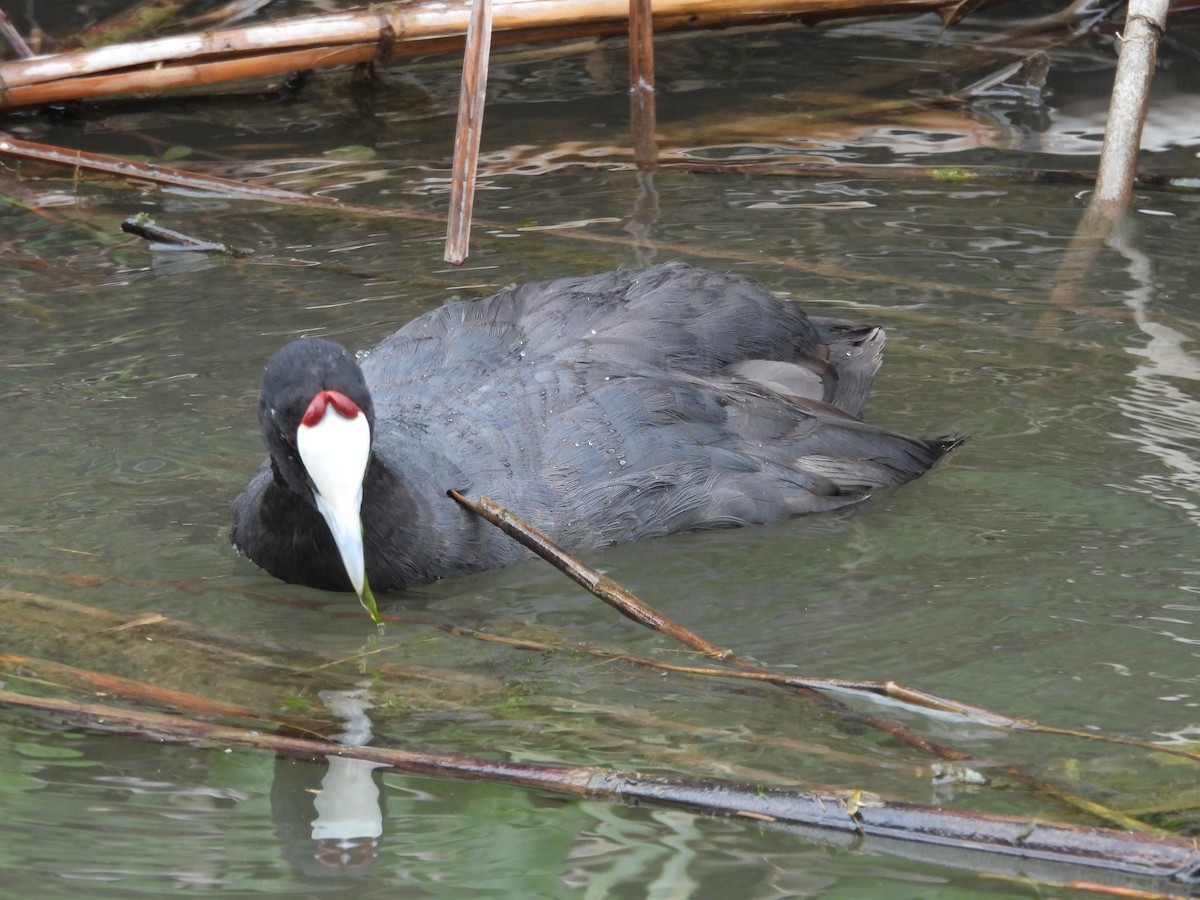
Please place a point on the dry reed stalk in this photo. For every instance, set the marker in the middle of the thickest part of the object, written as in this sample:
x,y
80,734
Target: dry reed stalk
x,y
468,132
420,28
643,117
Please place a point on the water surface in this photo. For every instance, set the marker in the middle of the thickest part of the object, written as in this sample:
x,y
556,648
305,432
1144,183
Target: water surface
x,y
1046,570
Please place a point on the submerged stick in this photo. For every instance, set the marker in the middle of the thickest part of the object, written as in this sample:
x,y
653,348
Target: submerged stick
x,y
18,666
137,21
983,841
472,98
172,633
275,689
144,226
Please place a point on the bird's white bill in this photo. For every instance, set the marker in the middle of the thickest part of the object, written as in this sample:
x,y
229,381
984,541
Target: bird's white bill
x,y
335,451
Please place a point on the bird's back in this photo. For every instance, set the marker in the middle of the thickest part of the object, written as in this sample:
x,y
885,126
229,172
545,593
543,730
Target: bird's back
x,y
621,406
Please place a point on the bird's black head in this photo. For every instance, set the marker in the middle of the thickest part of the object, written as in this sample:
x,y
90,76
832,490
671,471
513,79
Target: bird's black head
x,y
317,420
293,378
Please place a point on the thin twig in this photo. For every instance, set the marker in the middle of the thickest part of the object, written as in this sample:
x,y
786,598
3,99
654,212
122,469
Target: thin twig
x,y
153,172
14,37
889,689
604,588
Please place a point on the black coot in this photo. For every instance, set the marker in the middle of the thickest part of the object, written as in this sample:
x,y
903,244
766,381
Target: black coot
x,y
608,408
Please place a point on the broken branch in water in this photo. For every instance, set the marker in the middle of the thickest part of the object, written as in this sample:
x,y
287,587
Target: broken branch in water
x,y
177,640
1145,22
144,227
624,601
1048,852
604,588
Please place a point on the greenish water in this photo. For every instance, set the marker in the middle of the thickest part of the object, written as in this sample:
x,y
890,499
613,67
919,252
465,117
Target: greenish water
x,y
1047,570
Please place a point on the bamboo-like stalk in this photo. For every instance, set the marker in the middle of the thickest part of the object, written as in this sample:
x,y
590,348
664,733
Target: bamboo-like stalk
x,y
643,117
468,132
430,26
